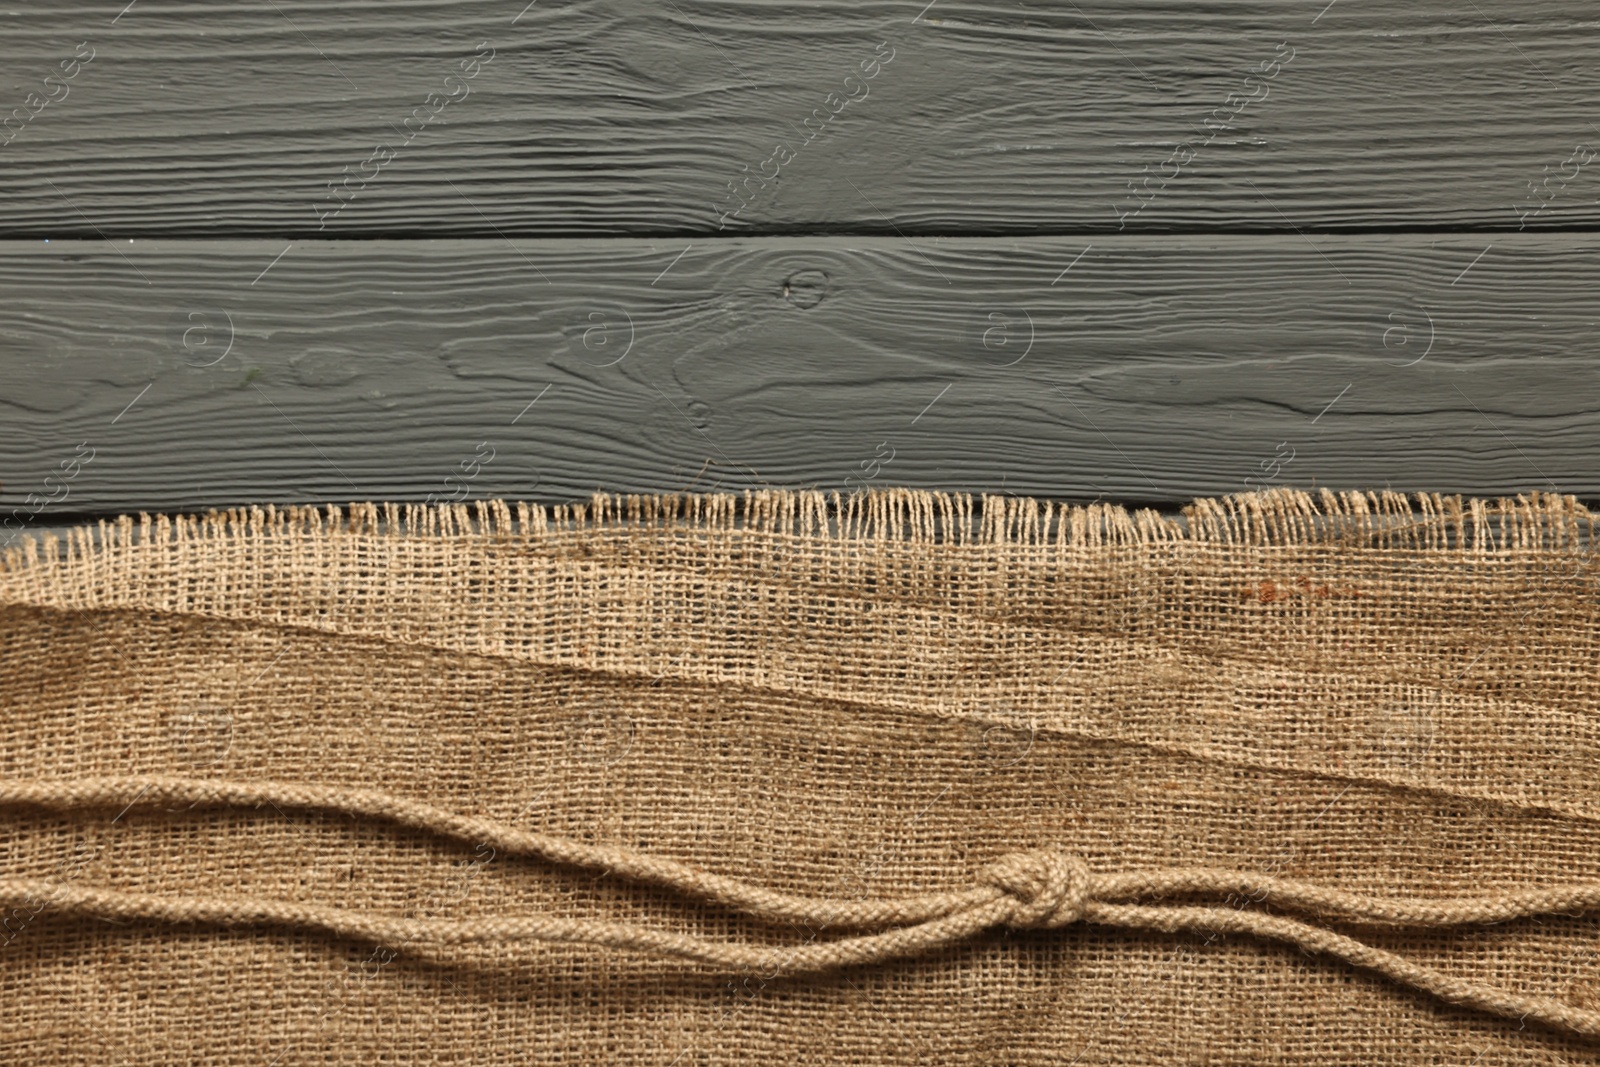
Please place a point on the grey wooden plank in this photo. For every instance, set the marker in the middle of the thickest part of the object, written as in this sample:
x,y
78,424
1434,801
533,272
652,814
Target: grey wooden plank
x,y
624,117
1142,368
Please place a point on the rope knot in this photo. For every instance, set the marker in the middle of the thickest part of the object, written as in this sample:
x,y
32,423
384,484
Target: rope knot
x,y
1048,888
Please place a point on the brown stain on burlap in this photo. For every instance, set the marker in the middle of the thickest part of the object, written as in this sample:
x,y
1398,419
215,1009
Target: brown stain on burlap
x,y
855,698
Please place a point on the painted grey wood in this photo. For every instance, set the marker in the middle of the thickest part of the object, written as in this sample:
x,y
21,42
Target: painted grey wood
x,y
1136,368
625,117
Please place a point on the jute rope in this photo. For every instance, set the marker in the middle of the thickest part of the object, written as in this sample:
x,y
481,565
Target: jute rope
x,y
1042,888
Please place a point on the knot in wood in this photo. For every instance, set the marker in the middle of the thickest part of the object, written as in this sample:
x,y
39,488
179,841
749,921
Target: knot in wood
x,y
1049,888
806,288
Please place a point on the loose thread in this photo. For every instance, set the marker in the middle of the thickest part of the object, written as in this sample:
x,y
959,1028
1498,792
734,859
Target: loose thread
x,y
1038,889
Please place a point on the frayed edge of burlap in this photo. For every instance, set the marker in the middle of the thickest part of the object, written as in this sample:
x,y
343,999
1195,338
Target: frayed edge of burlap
x,y
1274,517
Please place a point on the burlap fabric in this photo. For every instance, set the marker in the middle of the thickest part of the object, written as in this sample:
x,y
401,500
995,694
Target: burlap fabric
x,y
852,698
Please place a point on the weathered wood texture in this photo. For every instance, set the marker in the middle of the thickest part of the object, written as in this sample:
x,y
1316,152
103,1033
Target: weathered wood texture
x,y
624,117
1154,369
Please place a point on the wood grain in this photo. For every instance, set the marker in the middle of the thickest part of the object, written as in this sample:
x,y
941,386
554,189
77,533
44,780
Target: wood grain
x,y
618,117
1159,369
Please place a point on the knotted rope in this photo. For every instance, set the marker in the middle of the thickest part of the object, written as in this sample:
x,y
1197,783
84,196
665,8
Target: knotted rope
x,y
1042,889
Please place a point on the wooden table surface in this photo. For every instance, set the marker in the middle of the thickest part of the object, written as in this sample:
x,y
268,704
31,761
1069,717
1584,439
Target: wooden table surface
x,y
1136,251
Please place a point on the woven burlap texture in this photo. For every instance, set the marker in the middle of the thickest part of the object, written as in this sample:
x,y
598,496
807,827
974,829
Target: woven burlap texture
x,y
856,698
